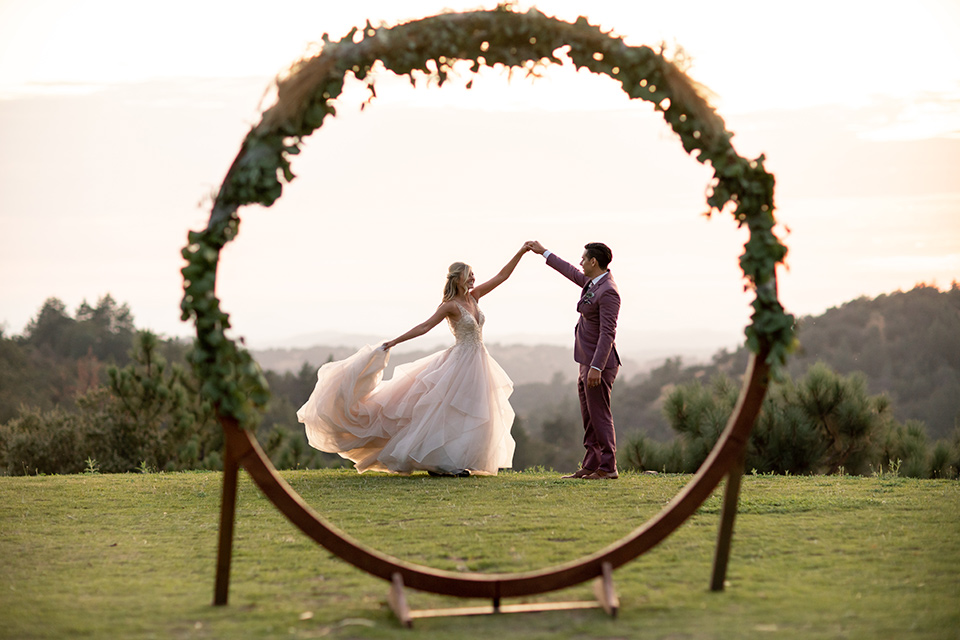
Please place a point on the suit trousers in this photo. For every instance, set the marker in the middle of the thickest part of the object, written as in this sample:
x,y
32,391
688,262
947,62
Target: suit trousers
x,y
599,437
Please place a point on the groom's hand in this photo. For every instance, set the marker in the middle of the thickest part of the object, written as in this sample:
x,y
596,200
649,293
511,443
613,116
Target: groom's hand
x,y
535,246
593,378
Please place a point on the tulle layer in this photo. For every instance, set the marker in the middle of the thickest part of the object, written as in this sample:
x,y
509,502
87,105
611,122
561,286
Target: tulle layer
x,y
446,412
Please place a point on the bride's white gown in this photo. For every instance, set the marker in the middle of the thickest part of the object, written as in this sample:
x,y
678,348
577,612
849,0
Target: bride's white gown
x,y
446,412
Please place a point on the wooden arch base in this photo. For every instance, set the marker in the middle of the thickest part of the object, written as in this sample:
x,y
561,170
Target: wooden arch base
x,y
725,460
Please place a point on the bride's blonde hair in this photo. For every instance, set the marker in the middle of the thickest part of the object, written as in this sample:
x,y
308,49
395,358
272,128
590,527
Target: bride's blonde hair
x,y
456,281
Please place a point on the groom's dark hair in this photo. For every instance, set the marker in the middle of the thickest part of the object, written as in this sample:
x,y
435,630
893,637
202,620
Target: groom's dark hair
x,y
599,251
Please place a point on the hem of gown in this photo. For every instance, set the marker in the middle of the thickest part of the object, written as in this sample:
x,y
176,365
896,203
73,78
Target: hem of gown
x,y
440,472
379,467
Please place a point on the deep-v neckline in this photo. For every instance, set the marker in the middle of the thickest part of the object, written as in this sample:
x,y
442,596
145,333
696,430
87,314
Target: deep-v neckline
x,y
476,318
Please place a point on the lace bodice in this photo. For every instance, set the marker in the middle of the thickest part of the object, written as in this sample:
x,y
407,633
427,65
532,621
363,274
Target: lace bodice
x,y
467,330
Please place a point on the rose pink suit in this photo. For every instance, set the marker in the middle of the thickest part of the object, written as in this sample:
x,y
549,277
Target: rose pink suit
x,y
594,346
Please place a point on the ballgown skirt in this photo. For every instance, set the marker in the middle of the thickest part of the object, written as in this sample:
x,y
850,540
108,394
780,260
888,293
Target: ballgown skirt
x,y
446,412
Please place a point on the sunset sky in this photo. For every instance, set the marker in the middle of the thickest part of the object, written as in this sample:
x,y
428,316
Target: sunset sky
x,y
118,119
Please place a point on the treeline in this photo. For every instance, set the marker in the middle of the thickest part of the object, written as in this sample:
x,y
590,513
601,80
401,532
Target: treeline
x,y
824,423
875,383
90,392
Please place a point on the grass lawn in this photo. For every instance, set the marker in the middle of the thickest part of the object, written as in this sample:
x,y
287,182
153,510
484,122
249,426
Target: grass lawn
x,y
133,556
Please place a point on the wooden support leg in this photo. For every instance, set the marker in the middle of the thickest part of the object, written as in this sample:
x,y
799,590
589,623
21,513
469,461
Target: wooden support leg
x,y
604,591
398,601
228,508
731,497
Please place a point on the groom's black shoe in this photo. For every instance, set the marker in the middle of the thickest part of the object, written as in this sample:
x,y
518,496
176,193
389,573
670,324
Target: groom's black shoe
x,y
579,473
602,475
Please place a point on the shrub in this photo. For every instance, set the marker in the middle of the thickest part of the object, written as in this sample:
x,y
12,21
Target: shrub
x,y
945,459
784,439
643,454
907,445
699,415
288,449
820,424
49,442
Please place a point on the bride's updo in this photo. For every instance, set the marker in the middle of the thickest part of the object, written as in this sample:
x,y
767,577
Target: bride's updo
x,y
456,281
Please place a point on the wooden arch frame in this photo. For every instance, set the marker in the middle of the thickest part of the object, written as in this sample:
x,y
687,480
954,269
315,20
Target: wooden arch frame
x,y
726,460
234,384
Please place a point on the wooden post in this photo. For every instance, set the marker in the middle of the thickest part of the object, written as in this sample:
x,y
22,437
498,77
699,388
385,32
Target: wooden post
x,y
398,601
728,513
228,508
604,591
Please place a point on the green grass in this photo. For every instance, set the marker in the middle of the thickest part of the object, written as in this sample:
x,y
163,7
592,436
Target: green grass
x,y
133,556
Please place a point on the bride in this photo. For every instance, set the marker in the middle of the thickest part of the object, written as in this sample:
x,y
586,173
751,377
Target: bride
x,y
447,413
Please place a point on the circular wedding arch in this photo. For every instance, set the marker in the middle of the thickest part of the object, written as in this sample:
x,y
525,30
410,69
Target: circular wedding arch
x,y
234,384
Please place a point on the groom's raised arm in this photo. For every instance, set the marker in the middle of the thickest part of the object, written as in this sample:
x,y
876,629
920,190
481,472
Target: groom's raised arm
x,y
565,269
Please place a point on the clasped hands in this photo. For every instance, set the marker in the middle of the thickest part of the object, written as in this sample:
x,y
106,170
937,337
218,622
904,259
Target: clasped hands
x,y
533,245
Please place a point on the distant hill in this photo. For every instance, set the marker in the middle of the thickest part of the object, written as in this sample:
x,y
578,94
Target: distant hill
x,y
907,344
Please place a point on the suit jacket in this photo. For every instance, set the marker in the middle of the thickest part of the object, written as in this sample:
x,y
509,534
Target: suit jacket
x,y
595,335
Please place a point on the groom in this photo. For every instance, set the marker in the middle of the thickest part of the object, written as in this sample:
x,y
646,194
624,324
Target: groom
x,y
595,351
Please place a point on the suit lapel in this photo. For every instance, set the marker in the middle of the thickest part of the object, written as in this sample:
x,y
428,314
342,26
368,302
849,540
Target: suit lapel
x,y
590,294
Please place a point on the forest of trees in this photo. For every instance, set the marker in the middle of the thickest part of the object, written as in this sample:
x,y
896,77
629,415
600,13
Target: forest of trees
x,y
875,383
90,392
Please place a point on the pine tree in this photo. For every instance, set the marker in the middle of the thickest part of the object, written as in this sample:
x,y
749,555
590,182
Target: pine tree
x,y
822,424
150,414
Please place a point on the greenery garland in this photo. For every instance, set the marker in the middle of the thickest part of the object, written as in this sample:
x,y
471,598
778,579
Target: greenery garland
x,y
305,95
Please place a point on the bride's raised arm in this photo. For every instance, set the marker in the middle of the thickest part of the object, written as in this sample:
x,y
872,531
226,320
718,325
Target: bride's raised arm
x,y
483,289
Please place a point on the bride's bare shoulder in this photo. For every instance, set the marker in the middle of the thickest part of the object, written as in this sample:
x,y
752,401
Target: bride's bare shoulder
x,y
450,308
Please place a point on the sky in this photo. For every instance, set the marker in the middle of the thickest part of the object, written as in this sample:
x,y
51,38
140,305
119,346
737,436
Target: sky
x,y
118,120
